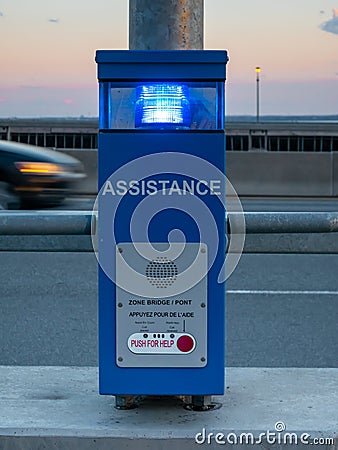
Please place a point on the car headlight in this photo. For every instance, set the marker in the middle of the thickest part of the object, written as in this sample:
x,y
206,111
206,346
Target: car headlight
x,y
39,168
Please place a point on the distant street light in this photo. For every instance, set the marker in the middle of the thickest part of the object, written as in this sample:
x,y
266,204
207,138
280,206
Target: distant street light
x,y
258,70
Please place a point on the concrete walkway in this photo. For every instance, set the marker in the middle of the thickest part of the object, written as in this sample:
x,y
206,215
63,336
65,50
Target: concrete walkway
x,y
59,408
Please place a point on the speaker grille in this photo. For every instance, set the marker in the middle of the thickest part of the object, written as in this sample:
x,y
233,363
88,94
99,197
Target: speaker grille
x,y
161,272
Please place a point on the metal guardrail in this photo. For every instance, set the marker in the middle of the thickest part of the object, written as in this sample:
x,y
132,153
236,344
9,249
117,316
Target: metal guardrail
x,y
286,222
30,223
271,233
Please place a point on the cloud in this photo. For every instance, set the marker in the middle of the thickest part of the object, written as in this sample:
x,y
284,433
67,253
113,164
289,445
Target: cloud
x,y
54,20
331,26
69,101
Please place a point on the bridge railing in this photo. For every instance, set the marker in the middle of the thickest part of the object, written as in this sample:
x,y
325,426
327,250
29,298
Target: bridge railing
x,y
266,232
79,222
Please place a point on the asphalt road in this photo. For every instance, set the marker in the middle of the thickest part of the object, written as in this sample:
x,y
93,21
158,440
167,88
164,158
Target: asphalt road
x,y
282,310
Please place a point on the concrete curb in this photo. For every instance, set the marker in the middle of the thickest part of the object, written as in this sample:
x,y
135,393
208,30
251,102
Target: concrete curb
x,y
59,407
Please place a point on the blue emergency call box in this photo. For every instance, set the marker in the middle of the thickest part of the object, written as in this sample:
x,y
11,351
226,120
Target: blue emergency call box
x,y
161,222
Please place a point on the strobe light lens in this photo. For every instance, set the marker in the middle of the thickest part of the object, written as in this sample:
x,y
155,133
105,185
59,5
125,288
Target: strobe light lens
x,y
162,105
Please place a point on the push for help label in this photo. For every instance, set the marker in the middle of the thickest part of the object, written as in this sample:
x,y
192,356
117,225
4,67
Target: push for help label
x,y
161,343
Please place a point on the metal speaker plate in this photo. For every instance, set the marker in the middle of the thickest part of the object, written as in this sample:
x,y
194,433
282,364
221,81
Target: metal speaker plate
x,y
161,305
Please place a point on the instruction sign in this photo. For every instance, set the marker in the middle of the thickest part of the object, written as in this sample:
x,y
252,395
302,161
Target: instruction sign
x,y
158,323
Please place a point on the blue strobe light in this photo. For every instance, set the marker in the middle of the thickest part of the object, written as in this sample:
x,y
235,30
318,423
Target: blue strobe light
x,y
162,105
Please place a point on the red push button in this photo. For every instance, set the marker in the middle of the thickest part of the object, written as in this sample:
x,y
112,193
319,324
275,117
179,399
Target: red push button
x,y
185,343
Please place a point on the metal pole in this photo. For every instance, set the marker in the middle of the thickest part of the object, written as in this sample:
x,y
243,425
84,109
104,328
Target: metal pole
x,y
34,223
258,69
80,222
166,24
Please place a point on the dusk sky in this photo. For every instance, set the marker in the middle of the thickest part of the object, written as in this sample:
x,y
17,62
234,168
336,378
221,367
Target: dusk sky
x,y
48,47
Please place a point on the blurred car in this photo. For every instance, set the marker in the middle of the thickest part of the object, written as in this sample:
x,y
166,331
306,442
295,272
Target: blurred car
x,y
34,176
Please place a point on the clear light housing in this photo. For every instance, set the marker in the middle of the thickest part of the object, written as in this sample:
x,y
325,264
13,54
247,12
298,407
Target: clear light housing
x,y
162,105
